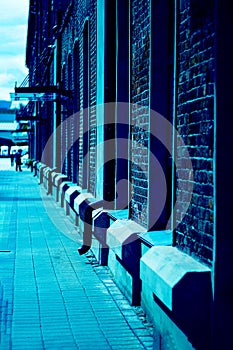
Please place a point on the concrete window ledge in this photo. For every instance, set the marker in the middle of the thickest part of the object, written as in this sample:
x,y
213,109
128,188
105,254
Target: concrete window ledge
x,y
155,238
65,185
42,166
69,197
44,170
124,257
48,172
54,176
71,193
59,179
101,221
41,172
122,232
84,205
81,198
118,214
100,224
176,293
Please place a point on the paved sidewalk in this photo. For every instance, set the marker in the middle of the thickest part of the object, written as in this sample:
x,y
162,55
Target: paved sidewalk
x,y
50,297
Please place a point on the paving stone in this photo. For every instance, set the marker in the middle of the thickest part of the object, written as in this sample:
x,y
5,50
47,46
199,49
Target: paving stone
x,y
53,298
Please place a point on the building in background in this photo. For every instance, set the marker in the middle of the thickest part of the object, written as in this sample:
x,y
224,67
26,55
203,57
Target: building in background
x,y
7,126
13,135
138,93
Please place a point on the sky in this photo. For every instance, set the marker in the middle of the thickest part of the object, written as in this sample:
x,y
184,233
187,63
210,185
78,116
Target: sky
x,y
13,36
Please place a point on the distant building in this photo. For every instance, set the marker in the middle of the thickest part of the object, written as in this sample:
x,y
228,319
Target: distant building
x,y
12,132
7,126
166,67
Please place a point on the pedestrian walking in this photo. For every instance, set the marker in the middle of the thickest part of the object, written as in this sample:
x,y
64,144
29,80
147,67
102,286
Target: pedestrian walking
x,y
18,161
12,159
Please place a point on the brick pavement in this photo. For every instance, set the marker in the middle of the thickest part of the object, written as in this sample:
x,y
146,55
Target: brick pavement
x,y
50,297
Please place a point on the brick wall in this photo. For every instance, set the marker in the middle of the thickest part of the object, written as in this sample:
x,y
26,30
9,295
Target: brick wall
x,y
195,113
92,98
195,108
80,161
73,30
140,70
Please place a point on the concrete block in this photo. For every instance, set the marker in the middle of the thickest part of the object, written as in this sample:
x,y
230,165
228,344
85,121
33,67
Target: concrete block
x,y
74,216
41,173
162,268
85,210
71,193
87,207
102,219
81,198
46,176
167,335
124,279
181,286
114,215
100,252
54,175
101,222
58,181
50,176
124,257
122,232
69,196
155,238
61,191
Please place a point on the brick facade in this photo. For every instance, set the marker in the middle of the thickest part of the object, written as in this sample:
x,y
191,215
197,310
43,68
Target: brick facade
x,y
195,124
140,95
194,120
80,17
77,47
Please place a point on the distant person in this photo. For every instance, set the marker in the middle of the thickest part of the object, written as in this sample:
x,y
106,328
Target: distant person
x,y
18,161
12,159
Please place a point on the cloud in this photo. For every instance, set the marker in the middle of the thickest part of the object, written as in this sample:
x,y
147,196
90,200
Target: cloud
x,y
13,12
13,39
5,93
12,70
12,62
13,35
10,76
13,31
6,78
